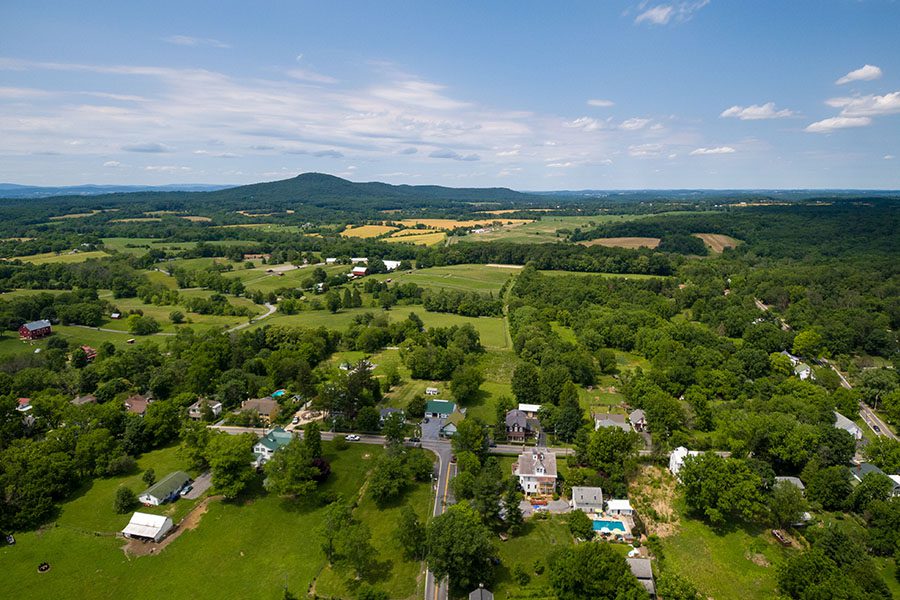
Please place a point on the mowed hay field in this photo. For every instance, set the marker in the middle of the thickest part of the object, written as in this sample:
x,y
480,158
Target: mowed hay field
x,y
717,242
453,223
624,242
254,547
52,257
417,236
469,278
367,231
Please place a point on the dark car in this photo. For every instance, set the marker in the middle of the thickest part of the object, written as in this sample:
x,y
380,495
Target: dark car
x,y
10,540
414,439
877,429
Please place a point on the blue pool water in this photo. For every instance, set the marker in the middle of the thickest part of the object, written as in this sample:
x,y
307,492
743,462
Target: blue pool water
x,y
611,525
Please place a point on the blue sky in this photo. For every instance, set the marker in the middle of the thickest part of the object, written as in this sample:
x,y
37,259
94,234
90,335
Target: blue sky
x,y
529,95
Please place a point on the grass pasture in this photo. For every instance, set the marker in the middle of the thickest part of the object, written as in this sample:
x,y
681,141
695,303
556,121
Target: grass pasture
x,y
254,547
367,231
717,242
469,278
624,242
66,258
539,540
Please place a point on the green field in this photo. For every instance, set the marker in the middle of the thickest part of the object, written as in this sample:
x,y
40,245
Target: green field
x,y
474,278
491,329
238,550
66,258
140,246
538,541
739,564
588,274
544,230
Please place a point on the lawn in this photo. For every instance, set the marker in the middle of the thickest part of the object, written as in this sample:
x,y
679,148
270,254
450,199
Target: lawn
x,y
197,321
469,278
739,564
140,246
491,329
239,550
539,540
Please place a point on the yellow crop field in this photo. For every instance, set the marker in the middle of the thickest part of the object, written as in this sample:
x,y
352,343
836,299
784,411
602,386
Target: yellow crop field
x,y
422,239
137,220
717,242
196,219
624,242
367,231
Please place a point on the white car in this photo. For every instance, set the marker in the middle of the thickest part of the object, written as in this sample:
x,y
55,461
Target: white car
x,y
352,438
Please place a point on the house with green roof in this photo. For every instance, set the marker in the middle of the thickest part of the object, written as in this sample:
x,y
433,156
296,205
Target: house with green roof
x,y
269,444
165,489
439,408
448,429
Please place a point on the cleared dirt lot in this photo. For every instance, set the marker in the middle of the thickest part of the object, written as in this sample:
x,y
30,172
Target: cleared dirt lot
x,y
624,242
717,242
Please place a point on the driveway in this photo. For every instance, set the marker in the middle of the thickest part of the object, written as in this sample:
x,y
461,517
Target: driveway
x,y
200,485
432,429
556,507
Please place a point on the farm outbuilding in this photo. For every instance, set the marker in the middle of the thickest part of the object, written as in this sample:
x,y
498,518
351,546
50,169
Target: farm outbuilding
x,y
35,329
165,489
144,526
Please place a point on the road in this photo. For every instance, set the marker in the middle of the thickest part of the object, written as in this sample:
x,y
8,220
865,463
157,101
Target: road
x,y
270,310
868,415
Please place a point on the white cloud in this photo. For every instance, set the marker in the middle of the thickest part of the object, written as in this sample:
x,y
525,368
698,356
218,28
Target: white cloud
x,y
167,168
454,155
645,150
829,125
112,164
888,157
663,14
633,124
715,150
561,165
658,15
867,106
187,40
756,112
600,103
864,73
585,123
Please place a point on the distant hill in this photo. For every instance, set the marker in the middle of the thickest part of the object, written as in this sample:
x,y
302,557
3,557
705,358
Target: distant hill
x,y
12,190
317,193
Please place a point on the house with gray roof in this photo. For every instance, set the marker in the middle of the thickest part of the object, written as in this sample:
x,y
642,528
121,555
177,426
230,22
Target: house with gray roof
x,y
642,569
536,470
518,426
842,422
480,593
611,420
587,499
863,469
795,481
384,413
638,420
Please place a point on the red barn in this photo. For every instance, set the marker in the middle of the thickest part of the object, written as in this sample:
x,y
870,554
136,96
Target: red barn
x,y
35,329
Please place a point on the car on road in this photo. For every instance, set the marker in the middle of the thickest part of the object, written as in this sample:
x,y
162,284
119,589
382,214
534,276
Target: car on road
x,y
295,420
876,429
426,420
353,438
186,490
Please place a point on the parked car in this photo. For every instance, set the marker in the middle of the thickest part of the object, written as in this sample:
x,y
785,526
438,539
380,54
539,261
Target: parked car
x,y
414,439
186,490
352,438
295,420
10,540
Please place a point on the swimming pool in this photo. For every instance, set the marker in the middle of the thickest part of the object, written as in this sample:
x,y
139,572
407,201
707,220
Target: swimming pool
x,y
611,525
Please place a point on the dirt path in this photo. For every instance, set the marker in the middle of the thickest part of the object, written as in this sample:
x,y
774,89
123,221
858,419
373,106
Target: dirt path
x,y
190,521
